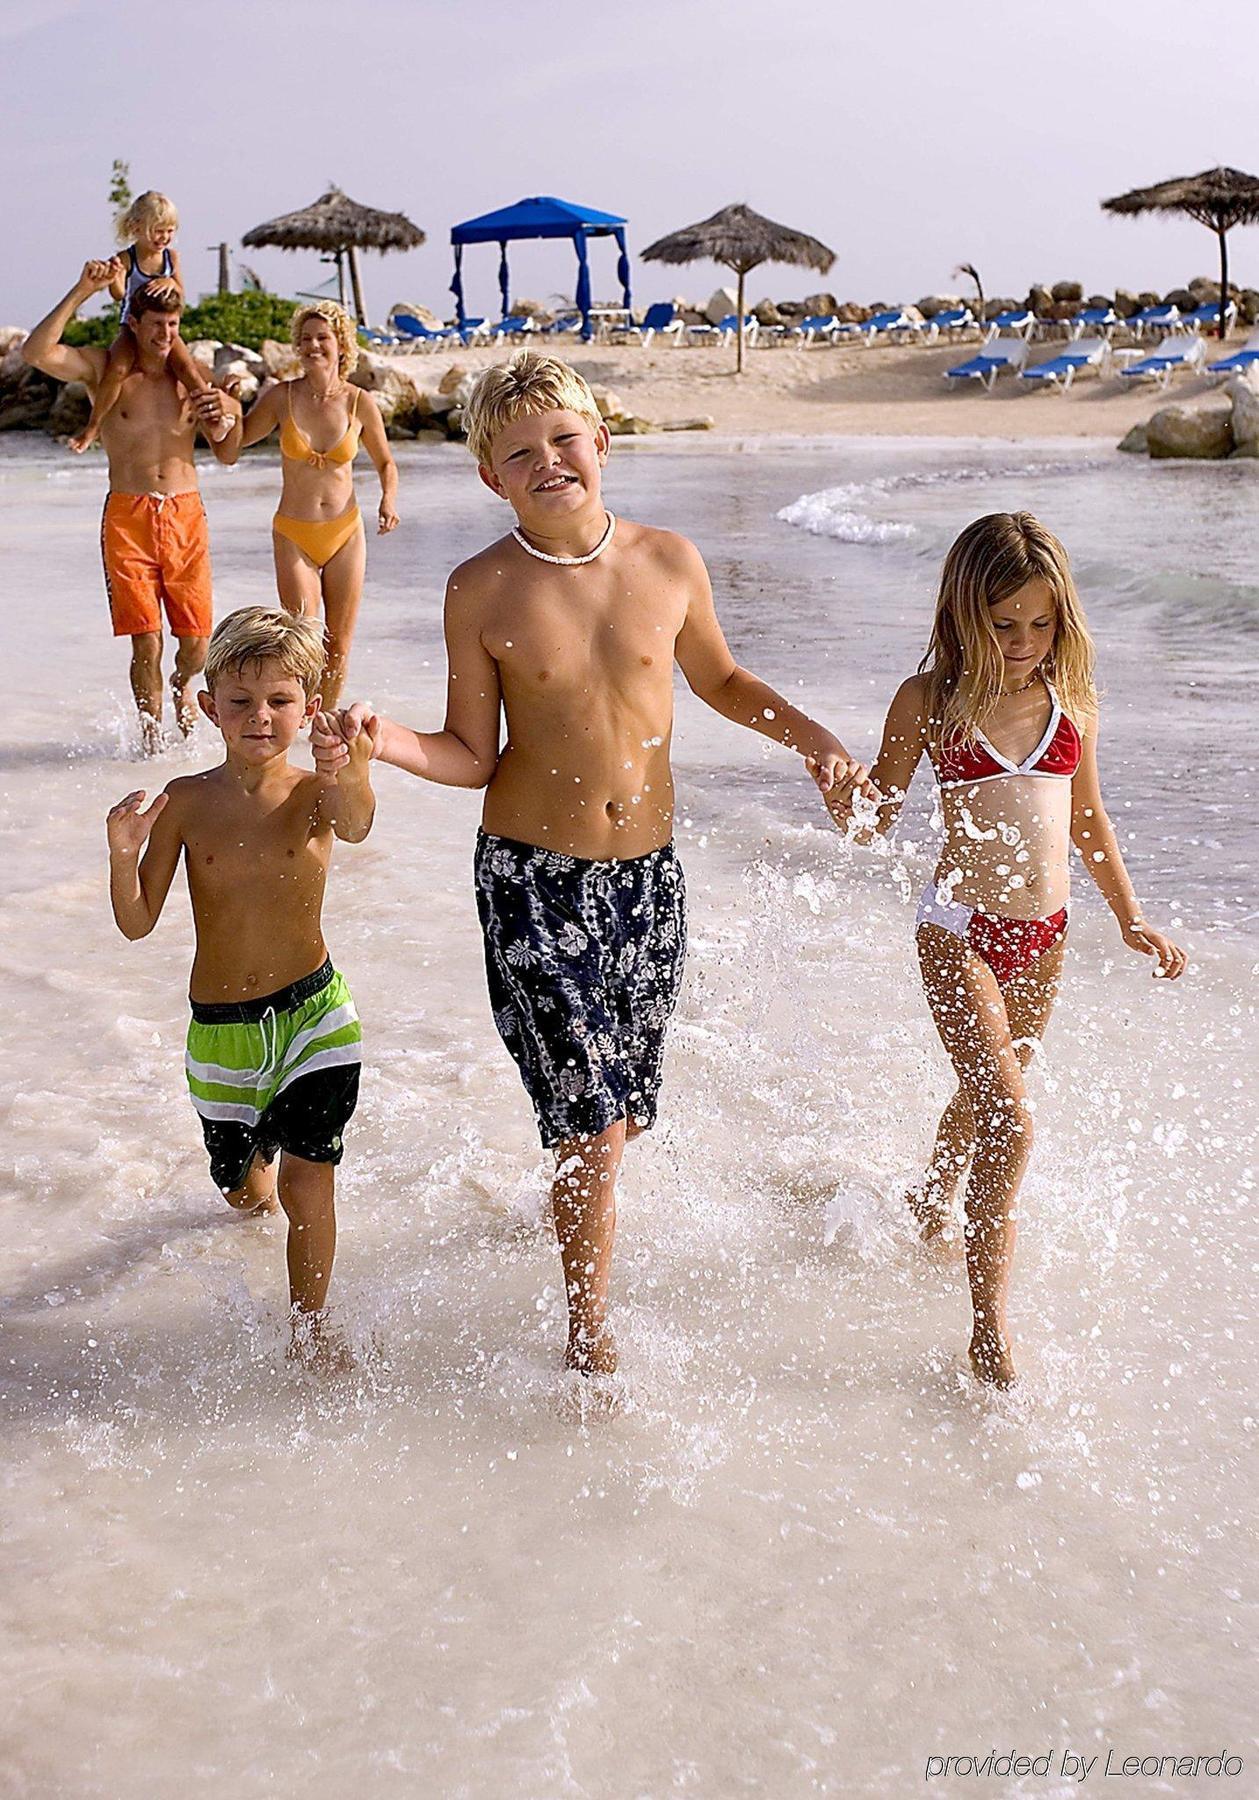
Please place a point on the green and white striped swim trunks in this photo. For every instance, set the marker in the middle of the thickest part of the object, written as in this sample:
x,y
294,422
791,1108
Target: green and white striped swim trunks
x,y
277,1073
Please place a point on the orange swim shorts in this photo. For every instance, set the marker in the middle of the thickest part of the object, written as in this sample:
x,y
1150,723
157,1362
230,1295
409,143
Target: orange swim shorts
x,y
156,551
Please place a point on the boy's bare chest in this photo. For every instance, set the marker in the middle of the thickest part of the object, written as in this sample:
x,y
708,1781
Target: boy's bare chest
x,y
263,854
549,636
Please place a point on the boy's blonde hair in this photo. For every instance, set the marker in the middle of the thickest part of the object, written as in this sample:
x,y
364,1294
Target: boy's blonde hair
x,y
255,634
148,212
527,385
993,558
342,326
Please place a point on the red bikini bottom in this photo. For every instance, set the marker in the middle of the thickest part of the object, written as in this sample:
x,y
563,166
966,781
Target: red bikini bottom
x,y
1008,946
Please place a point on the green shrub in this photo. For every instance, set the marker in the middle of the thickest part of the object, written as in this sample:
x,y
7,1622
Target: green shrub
x,y
232,318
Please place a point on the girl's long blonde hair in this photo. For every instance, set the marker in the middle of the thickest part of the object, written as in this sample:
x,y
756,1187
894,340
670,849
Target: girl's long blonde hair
x,y
993,558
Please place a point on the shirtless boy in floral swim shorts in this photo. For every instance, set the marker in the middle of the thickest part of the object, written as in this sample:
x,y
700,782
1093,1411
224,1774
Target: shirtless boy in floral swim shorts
x,y
570,626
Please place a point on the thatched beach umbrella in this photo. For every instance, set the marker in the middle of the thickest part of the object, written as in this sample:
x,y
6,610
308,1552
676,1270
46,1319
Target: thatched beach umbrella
x,y
742,240
340,227
1218,198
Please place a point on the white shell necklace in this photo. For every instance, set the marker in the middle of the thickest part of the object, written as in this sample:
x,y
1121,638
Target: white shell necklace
x,y
567,562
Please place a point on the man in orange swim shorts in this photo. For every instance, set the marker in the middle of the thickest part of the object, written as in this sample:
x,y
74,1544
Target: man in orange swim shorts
x,y
153,534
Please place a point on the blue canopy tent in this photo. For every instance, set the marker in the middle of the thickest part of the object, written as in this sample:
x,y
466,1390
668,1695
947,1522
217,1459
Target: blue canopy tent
x,y
541,217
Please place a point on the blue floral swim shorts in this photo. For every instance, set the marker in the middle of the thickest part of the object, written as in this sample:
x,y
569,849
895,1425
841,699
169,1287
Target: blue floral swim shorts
x,y
584,961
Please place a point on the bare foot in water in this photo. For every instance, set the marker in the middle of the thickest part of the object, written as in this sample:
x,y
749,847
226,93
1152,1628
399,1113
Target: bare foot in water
x,y
255,1209
83,440
152,740
591,1353
990,1359
314,1346
933,1213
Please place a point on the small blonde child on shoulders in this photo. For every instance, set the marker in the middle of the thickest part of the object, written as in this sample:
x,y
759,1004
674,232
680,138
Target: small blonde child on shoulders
x,y
151,261
1005,707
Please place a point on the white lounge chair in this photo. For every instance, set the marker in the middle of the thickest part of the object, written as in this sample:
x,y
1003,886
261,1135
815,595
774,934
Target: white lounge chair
x,y
1060,371
1245,358
1172,357
984,367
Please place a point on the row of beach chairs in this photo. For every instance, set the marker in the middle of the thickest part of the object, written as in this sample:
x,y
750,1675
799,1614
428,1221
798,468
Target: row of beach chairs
x,y
1177,353
1088,345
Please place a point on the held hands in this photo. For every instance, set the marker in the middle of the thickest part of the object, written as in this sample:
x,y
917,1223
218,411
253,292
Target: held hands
x,y
215,411
388,518
841,782
127,827
1139,936
345,740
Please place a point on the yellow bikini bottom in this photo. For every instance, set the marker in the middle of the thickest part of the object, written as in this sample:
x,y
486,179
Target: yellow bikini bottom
x,y
320,539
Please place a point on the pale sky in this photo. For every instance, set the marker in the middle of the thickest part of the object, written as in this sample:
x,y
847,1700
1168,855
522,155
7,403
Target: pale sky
x,y
908,137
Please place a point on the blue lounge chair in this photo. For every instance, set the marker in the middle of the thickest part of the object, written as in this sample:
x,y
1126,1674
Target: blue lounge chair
x,y
1021,322
1207,318
1173,355
1060,371
894,323
1094,319
725,329
1240,360
950,322
996,355
659,319
379,340
416,335
1155,318
563,325
514,325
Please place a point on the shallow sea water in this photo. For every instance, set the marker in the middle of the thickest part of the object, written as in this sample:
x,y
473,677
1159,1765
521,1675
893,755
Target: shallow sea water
x,y
806,1554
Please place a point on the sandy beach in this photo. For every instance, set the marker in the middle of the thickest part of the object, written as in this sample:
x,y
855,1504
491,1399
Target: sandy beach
x,y
851,391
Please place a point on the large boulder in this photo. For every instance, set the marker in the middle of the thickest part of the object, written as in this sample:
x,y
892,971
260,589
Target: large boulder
x,y
1067,291
821,306
1100,300
1040,300
27,405
766,313
721,302
424,314
402,399
1126,303
11,335
1248,306
1243,391
931,304
203,352
280,360
1205,432
611,406
1205,291
71,410
1136,441
236,376
1184,298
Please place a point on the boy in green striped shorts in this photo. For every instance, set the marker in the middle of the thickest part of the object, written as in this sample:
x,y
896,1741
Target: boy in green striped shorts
x,y
274,1044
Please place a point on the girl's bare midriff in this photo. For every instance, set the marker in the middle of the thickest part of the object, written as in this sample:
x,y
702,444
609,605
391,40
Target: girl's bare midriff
x,y
1008,845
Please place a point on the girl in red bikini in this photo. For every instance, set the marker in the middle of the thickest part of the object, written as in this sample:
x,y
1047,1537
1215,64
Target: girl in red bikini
x,y
1005,708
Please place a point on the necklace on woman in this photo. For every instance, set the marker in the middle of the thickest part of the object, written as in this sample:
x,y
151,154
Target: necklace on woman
x,y
567,562
1031,681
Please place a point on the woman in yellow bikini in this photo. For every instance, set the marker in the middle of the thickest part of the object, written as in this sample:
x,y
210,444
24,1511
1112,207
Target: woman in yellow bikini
x,y
317,534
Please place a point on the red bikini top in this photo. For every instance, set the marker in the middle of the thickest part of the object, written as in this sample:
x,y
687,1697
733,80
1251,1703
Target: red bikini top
x,y
962,762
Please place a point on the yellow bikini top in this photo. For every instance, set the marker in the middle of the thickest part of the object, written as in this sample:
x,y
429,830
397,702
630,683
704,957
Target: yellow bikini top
x,y
297,447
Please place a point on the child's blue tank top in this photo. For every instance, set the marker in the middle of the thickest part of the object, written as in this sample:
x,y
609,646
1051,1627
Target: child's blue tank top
x,y
136,279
